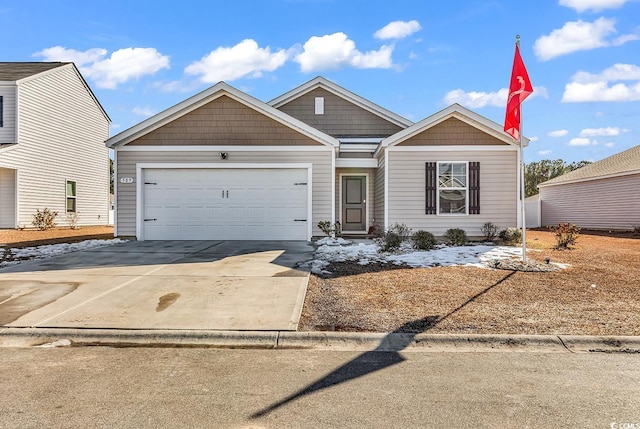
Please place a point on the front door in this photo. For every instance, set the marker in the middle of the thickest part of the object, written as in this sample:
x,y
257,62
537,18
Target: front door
x,y
354,203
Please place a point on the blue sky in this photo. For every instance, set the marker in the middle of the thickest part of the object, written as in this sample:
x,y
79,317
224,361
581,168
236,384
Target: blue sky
x,y
411,57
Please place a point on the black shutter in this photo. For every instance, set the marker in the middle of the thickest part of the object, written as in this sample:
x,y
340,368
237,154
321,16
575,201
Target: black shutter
x,y
431,188
1,98
474,188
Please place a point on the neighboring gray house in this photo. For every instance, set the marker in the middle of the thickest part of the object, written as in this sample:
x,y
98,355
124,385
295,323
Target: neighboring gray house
x,y
602,195
224,165
52,154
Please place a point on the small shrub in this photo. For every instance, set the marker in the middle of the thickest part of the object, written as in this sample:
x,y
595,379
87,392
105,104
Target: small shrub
x,y
402,230
510,235
636,229
566,234
329,229
389,241
456,237
423,240
44,219
72,219
490,231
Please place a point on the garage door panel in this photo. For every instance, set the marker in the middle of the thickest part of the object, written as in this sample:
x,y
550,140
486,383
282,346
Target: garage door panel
x,y
228,204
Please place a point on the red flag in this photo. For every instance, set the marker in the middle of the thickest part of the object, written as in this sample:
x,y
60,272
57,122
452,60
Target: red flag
x,y
519,89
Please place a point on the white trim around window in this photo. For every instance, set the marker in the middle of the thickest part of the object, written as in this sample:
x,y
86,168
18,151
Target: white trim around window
x,y
452,188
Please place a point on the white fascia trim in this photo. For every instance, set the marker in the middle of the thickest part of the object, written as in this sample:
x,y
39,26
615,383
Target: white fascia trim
x,y
149,165
218,90
358,147
366,204
356,163
372,140
320,82
226,148
8,83
452,148
454,111
386,191
222,165
591,179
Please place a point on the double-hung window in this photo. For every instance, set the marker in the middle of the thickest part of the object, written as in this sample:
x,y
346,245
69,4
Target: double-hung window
x,y
453,191
452,188
71,196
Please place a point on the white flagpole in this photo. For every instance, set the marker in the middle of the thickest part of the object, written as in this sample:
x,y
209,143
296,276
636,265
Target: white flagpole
x,y
522,188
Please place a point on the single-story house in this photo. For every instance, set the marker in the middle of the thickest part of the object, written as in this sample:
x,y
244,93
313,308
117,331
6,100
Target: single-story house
x,y
602,195
52,152
225,165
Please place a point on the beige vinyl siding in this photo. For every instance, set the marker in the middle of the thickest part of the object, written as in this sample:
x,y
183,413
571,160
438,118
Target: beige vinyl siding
x,y
452,132
61,137
224,121
8,129
611,203
378,193
498,190
371,175
7,198
127,160
340,118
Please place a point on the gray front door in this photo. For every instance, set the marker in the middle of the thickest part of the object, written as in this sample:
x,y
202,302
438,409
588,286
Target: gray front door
x,y
354,203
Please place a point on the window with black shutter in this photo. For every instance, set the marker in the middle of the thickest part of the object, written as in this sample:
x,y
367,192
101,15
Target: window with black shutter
x,y
452,188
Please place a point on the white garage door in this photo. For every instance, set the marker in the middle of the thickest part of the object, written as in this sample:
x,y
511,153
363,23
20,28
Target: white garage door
x,y
224,204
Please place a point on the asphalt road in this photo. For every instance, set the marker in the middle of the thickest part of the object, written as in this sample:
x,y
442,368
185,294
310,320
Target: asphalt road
x,y
168,387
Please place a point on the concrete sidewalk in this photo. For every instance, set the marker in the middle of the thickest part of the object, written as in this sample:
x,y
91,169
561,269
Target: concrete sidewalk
x,y
197,285
338,341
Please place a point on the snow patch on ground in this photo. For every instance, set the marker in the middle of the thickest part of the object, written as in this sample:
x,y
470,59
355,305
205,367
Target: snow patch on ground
x,y
39,252
481,255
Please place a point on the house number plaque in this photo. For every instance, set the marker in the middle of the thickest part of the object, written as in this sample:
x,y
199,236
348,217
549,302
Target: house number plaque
x,y
126,180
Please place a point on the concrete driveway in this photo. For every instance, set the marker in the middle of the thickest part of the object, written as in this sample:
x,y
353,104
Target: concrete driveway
x,y
212,285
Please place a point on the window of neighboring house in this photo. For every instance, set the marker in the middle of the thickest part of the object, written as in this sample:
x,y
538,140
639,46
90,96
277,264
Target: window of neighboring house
x,y
71,196
452,188
1,109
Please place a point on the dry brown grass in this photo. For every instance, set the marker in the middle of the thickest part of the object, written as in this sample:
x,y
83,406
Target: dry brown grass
x,y
34,237
598,295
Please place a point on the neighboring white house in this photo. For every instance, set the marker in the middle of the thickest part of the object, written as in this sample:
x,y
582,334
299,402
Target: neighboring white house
x,y
602,195
224,165
52,153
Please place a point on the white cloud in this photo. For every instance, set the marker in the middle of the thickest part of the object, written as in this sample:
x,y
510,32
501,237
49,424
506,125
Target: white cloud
x,y
585,87
581,141
123,65
231,63
601,132
533,139
143,111
397,30
477,99
593,5
579,36
333,51
609,144
544,152
558,133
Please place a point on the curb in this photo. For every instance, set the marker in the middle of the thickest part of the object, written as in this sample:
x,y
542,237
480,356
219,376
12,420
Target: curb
x,y
338,341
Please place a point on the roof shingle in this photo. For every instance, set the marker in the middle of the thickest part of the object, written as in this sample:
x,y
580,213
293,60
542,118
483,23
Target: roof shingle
x,y
16,71
620,163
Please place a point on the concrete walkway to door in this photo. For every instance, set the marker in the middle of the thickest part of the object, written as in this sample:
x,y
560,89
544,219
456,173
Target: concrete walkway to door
x,y
209,285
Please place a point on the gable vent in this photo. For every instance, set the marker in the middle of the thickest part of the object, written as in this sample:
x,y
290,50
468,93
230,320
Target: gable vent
x,y
319,105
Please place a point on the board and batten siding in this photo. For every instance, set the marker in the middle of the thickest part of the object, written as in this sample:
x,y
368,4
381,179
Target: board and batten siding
x,y
340,117
608,203
7,198
61,137
498,190
8,129
127,161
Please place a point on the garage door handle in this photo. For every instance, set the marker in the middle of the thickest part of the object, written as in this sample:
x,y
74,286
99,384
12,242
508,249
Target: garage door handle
x,y
299,220
150,183
147,220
